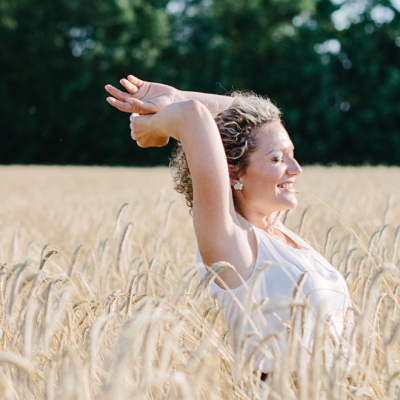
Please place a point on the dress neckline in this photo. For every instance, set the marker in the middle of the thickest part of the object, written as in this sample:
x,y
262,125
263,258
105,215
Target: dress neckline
x,y
302,248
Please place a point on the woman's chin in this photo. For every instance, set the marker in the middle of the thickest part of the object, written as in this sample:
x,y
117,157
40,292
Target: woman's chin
x,y
290,204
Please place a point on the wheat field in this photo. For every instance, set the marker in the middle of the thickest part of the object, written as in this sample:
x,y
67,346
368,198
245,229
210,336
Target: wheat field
x,y
99,296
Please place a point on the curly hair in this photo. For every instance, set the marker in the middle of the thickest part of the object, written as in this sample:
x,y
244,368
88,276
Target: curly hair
x,y
236,126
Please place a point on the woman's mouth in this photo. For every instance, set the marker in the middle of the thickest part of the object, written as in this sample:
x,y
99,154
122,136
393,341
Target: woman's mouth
x,y
286,186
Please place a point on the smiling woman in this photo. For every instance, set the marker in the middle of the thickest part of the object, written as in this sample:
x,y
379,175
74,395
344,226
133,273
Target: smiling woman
x,y
260,160
237,173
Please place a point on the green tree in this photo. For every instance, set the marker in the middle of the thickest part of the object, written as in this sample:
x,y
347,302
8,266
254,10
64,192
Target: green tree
x,y
332,66
338,89
56,58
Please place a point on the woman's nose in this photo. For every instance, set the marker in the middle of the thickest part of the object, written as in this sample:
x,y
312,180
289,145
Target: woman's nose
x,y
294,168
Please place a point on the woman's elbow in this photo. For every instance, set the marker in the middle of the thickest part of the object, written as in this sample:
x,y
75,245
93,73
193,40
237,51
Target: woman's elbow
x,y
194,108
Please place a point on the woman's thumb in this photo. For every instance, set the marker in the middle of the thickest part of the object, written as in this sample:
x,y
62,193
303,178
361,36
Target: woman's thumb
x,y
140,107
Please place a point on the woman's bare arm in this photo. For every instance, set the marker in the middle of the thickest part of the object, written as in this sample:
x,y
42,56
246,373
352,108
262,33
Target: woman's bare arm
x,y
219,234
148,97
214,102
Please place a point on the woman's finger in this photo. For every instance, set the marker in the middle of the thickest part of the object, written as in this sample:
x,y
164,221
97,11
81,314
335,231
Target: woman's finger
x,y
131,119
131,88
120,105
117,93
136,81
142,107
133,116
134,134
135,120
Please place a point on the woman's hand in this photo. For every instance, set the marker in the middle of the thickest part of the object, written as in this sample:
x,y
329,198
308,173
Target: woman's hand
x,y
154,130
149,97
143,97
145,129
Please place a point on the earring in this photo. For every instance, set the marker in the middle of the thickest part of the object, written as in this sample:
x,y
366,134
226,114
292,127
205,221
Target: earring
x,y
238,186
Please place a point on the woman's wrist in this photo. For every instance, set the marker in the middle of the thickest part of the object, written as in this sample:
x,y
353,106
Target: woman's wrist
x,y
214,102
180,95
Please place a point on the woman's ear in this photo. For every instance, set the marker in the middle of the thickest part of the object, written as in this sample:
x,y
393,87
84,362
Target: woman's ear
x,y
234,174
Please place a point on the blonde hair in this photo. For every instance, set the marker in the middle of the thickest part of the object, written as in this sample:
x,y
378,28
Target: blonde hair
x,y
236,126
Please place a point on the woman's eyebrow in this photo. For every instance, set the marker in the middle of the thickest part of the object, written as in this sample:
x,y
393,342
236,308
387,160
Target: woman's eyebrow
x,y
290,148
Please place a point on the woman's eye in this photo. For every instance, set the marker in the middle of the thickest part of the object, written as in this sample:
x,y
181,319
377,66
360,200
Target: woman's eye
x,y
277,159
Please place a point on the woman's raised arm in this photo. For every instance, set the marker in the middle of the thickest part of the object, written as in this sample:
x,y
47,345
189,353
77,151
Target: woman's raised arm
x,y
149,97
219,234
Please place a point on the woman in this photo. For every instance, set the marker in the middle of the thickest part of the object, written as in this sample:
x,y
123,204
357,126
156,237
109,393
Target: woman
x,y
242,174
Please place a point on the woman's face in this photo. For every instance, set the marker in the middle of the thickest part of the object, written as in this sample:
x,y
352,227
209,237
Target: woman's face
x,y
268,182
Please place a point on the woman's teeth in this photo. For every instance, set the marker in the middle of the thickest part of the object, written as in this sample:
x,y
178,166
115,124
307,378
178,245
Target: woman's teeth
x,y
286,186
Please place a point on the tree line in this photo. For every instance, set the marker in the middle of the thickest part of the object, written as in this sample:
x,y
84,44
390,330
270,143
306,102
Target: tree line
x,y
333,67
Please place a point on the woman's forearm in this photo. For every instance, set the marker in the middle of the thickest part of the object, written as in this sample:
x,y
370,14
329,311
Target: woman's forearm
x,y
214,102
150,97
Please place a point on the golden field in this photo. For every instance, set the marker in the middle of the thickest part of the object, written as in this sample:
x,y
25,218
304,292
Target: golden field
x,y
100,298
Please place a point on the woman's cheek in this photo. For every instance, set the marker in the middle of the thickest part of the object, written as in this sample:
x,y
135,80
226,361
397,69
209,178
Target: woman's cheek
x,y
275,172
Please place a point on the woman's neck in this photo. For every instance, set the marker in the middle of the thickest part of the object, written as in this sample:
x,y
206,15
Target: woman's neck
x,y
264,222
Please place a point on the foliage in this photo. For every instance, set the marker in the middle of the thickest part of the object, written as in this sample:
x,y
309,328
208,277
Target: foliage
x,y
341,103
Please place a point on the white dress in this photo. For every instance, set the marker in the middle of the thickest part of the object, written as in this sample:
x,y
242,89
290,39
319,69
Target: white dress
x,y
274,287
